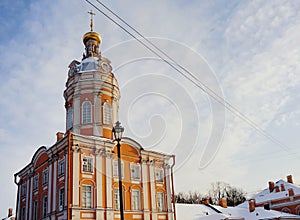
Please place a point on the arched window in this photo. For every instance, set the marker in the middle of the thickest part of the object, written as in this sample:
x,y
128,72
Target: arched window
x,y
69,118
86,112
107,119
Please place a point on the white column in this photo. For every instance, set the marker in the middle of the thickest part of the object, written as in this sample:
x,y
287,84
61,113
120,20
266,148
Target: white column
x,y
109,176
76,110
76,168
168,187
97,115
66,178
54,185
152,186
18,211
115,108
99,171
27,198
30,199
145,186
50,186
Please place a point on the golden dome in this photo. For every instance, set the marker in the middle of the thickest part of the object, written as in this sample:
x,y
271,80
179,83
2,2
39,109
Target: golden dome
x,y
91,35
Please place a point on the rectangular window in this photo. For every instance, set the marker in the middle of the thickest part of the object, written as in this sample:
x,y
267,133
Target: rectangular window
x,y
35,181
135,171
23,189
86,196
117,199
61,166
87,164
116,170
160,201
44,206
23,213
35,210
159,175
135,200
61,199
45,176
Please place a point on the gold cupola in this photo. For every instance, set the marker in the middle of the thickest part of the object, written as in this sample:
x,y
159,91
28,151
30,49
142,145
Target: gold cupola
x,y
91,40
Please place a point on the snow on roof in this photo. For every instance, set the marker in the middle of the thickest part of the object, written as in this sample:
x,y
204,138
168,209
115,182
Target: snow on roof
x,y
266,195
199,212
204,212
258,214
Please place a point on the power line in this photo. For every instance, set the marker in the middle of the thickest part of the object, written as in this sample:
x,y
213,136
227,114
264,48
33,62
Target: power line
x,y
193,78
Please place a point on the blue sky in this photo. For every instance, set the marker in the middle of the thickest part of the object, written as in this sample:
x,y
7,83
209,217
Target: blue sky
x,y
246,51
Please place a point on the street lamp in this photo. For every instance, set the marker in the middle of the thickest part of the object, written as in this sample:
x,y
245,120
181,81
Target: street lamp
x,y
118,132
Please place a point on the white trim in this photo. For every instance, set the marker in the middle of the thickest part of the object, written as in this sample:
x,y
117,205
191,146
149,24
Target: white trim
x,y
99,180
30,199
49,187
108,177
145,186
54,185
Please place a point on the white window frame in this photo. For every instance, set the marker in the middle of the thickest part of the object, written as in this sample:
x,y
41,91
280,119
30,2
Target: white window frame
x,y
135,171
87,193
107,113
61,198
135,200
116,198
86,112
70,118
87,164
35,181
160,201
45,177
61,166
116,169
159,175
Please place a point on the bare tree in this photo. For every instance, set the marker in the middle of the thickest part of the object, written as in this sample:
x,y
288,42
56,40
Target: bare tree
x,y
233,195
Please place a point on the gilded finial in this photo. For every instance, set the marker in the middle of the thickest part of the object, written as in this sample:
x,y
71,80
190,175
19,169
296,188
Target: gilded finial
x,y
92,23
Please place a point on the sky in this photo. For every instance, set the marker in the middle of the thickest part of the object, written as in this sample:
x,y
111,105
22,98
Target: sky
x,y
247,52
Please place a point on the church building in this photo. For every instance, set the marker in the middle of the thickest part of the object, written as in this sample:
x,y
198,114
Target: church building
x,y
77,177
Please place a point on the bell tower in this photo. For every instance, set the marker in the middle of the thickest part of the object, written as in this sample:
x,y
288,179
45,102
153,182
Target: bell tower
x,y
92,92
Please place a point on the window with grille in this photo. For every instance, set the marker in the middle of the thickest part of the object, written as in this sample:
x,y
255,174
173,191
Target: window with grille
x,y
116,198
86,112
35,181
45,176
35,210
87,164
61,199
159,174
107,113
23,189
61,166
116,170
160,201
135,171
86,196
44,207
135,200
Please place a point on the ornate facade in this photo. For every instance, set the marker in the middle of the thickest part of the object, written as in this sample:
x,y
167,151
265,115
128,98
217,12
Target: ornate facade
x,y
77,177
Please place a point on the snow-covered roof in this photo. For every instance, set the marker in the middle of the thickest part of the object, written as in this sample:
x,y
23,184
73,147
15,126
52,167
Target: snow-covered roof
x,y
199,212
213,212
266,195
259,213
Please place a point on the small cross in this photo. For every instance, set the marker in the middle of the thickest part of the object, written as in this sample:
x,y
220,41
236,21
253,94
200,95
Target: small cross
x,y
92,24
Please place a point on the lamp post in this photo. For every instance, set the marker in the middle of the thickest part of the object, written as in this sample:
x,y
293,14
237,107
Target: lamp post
x,y
118,132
